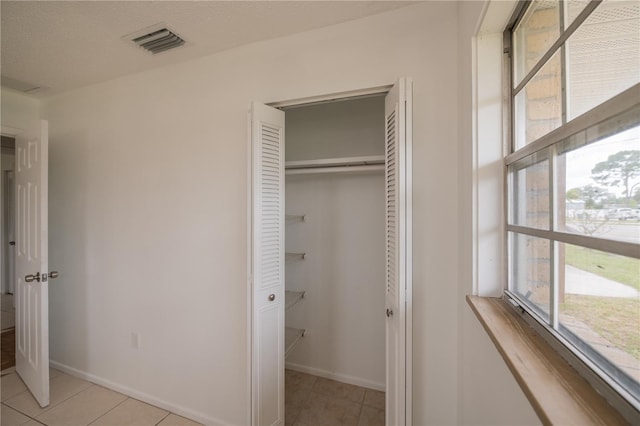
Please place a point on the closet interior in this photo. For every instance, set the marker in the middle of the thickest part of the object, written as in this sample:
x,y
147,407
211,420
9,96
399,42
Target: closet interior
x,y
335,240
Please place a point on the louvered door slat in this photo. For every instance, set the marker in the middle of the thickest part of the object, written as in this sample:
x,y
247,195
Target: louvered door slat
x,y
397,173
268,265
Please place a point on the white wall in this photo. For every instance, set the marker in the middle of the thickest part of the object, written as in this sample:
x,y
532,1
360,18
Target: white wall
x,y
148,208
489,395
347,128
17,111
148,213
343,275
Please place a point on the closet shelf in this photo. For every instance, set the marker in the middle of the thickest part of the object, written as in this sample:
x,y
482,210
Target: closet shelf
x,y
334,165
292,297
295,217
294,256
292,337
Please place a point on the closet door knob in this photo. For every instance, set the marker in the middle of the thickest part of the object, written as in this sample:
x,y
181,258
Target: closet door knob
x,y
389,313
272,297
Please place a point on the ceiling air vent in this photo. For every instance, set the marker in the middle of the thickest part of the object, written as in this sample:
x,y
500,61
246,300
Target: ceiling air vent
x,y
158,40
21,86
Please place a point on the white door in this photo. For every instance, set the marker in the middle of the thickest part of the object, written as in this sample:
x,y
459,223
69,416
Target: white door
x,y
267,264
398,268
32,284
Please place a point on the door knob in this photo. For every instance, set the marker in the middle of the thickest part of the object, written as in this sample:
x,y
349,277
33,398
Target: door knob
x,y
272,297
32,277
389,313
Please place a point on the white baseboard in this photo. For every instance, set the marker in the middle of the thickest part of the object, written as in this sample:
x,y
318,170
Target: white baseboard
x,y
176,409
336,376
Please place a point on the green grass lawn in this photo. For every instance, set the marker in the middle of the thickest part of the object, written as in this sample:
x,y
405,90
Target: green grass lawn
x,y
622,269
615,319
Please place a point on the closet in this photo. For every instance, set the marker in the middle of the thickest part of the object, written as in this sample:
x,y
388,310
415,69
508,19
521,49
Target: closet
x,y
335,240
330,246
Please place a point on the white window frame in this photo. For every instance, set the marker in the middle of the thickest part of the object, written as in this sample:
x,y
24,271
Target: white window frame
x,y
626,103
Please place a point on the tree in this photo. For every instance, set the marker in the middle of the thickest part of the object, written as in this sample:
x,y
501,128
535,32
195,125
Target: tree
x,y
574,194
589,224
619,169
590,194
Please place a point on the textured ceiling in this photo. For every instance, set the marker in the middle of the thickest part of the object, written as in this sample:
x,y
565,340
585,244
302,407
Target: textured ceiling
x,y
62,45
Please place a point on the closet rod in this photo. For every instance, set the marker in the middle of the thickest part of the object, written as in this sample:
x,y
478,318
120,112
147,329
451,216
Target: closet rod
x,y
367,160
339,169
295,217
295,256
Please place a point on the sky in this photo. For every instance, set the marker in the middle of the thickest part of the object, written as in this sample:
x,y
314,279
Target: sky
x,y
581,161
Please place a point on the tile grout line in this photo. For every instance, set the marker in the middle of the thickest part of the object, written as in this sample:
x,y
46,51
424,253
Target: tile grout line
x,y
49,407
162,419
360,412
110,410
315,380
27,416
168,413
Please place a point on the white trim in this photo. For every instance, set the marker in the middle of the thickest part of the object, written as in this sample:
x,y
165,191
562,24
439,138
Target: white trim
x,y
488,169
144,397
350,94
475,207
344,378
488,267
249,267
10,131
408,341
408,338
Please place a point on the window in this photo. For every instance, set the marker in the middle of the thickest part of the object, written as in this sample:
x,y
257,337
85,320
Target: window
x,y
573,179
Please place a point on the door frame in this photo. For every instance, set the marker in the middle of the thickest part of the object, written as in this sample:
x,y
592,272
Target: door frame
x,y
333,97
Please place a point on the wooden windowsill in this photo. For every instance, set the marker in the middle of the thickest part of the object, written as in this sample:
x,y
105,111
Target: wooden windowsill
x,y
558,394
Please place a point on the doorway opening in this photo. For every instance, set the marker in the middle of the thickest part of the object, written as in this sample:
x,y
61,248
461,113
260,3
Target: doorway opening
x,y
7,239
335,260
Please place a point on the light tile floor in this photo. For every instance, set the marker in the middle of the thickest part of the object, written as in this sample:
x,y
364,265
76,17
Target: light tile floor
x,y
312,400
309,400
76,402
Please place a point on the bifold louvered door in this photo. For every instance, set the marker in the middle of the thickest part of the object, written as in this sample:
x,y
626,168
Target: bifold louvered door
x,y
398,250
267,265
32,284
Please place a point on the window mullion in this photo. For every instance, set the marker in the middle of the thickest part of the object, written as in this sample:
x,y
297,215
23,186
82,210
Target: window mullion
x,y
553,220
626,101
559,42
564,63
621,248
